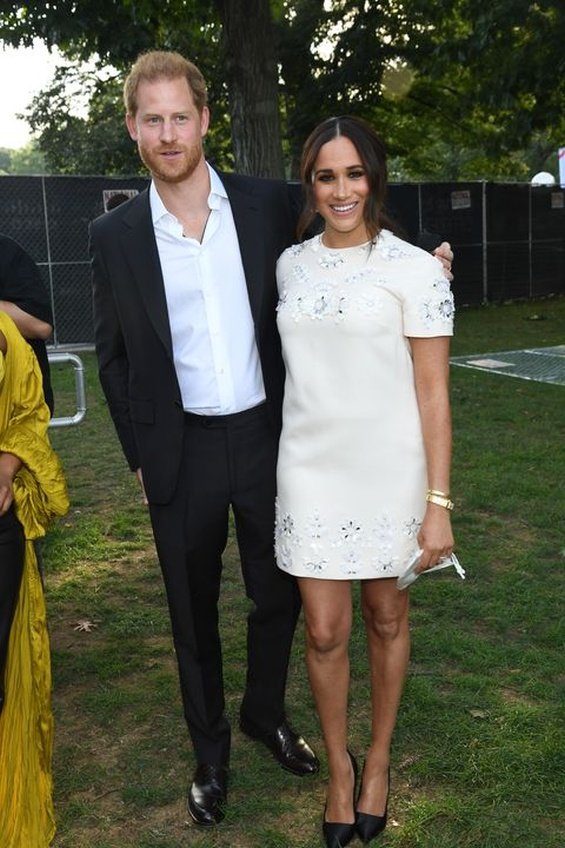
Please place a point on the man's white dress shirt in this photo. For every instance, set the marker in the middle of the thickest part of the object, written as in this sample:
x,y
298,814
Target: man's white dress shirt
x,y
215,354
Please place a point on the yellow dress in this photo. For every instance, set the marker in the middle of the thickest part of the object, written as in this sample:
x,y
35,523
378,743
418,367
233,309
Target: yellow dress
x,y
26,723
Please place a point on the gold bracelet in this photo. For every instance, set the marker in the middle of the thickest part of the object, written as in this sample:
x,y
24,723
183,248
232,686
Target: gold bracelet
x,y
439,494
446,503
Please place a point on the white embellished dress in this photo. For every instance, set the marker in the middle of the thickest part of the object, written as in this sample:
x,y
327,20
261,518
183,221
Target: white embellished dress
x,y
351,475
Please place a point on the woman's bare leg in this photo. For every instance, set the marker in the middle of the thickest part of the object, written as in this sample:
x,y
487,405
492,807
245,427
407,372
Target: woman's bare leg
x,y
385,612
327,615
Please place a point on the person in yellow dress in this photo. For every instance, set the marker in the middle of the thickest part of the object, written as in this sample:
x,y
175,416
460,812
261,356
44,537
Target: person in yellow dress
x,y
32,492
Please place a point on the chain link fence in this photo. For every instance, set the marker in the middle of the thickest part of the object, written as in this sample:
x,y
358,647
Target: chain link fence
x,y
49,217
509,238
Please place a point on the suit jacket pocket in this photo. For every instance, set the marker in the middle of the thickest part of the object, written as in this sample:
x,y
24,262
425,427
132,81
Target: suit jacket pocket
x,y
142,411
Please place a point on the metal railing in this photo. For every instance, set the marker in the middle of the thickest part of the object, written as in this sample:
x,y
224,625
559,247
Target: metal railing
x,y
80,393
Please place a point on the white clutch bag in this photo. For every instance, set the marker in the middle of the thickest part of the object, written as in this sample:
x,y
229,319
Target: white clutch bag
x,y
410,575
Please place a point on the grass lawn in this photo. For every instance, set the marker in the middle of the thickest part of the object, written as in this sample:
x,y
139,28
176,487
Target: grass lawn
x,y
478,752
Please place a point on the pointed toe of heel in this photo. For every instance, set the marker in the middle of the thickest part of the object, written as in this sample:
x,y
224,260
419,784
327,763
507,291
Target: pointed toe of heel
x,y
337,834
340,834
368,827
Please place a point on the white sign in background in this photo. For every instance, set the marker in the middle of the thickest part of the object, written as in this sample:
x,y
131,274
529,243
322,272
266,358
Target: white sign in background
x,y
562,166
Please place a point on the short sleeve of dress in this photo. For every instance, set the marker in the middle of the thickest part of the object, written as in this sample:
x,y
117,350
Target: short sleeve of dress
x,y
427,300
280,270
286,266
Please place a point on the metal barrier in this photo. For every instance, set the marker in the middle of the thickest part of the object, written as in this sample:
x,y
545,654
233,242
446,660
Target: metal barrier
x,y
69,420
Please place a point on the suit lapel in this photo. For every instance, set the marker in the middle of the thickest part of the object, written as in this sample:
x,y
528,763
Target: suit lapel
x,y
140,248
246,209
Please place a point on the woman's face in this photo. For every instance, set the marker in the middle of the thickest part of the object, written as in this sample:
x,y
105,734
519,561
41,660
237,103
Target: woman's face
x,y
341,188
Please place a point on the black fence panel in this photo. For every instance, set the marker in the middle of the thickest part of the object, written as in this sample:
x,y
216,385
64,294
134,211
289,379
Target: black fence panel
x,y
72,304
508,212
456,211
508,238
22,214
403,205
548,239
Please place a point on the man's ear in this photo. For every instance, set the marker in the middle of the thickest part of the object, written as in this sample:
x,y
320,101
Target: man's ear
x,y
132,127
204,121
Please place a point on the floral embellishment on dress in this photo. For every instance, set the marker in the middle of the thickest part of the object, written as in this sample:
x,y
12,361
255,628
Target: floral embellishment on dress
x,y
316,301
315,531
362,275
446,309
286,524
296,249
387,562
442,287
350,563
315,565
285,536
326,301
437,310
330,260
411,527
440,306
390,252
300,273
314,545
383,530
350,531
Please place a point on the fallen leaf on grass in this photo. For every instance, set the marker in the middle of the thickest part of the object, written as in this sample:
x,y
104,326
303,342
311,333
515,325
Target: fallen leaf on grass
x,y
85,625
478,713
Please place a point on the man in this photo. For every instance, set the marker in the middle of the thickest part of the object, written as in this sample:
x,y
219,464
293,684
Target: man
x,y
24,298
190,363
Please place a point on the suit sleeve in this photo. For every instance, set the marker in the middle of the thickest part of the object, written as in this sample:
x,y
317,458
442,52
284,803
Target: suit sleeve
x,y
113,365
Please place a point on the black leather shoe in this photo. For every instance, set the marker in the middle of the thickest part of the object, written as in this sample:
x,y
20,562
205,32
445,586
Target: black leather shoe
x,y
208,794
369,826
291,750
340,834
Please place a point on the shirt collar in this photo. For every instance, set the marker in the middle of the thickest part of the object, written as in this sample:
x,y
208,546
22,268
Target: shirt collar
x,y
217,192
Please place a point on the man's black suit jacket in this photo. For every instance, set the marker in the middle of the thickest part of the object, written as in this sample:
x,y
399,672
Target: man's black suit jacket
x,y
132,332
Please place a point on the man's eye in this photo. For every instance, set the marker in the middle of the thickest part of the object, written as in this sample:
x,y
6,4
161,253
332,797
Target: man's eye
x,y
152,119
181,119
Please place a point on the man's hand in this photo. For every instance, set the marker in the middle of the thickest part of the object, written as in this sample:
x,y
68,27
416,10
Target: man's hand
x,y
445,255
139,476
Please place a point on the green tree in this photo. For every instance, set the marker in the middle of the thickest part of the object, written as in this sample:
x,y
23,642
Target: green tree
x,y
459,90
5,160
116,32
23,161
28,160
497,75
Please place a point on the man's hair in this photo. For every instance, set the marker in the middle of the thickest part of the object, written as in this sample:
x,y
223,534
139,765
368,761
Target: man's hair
x,y
162,64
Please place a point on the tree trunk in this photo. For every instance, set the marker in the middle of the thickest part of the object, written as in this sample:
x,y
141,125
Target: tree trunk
x,y
252,82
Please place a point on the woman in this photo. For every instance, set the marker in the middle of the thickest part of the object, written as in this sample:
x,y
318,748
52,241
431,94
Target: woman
x,y
364,462
32,491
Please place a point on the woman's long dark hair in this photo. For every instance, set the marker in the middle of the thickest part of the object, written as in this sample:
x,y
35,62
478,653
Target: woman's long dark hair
x,y
372,153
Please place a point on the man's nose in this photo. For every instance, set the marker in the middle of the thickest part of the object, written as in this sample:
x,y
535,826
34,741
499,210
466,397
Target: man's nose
x,y
168,130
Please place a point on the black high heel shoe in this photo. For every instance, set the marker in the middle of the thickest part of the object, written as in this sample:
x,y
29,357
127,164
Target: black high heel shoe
x,y
369,826
340,834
